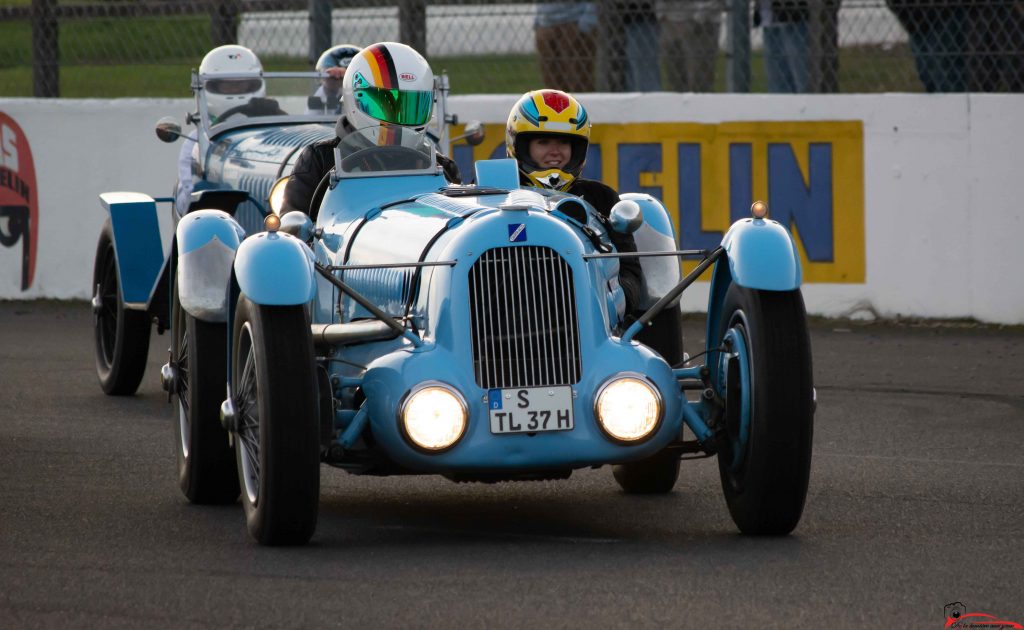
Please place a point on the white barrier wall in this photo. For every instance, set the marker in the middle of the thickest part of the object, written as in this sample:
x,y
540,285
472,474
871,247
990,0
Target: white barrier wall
x,y
942,220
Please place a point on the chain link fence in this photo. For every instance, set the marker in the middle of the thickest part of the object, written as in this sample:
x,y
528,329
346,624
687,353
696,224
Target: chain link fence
x,y
147,47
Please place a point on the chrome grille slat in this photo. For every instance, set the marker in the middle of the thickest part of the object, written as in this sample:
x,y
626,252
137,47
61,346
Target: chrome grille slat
x,y
525,331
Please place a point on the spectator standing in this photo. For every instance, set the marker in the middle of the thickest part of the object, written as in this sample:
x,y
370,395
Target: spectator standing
x,y
787,33
628,47
689,42
566,37
786,40
937,31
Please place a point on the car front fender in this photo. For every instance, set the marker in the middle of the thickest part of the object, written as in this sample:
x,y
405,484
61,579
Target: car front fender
x,y
762,255
206,242
275,269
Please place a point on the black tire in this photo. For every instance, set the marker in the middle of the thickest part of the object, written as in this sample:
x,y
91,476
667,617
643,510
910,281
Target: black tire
x,y
765,482
665,335
654,475
206,461
277,446
121,334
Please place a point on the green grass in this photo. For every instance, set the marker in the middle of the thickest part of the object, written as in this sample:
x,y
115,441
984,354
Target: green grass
x,y
152,57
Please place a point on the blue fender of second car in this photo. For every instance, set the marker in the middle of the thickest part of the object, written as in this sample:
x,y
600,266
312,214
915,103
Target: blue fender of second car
x,y
206,242
275,269
762,255
137,245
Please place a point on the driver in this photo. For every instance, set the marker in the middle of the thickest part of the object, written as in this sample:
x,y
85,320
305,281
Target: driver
x,y
241,91
548,132
387,84
225,97
333,63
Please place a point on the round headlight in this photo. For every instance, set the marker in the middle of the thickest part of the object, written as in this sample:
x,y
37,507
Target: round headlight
x,y
628,408
434,416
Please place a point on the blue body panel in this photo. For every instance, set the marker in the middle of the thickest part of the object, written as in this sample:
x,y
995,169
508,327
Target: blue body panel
x,y
391,376
275,269
461,230
198,228
762,255
137,244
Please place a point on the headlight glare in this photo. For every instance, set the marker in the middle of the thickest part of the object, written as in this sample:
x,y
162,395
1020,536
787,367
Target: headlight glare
x,y
628,408
434,416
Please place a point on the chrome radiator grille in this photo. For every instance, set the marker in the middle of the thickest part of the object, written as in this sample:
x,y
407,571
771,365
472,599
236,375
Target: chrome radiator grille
x,y
523,313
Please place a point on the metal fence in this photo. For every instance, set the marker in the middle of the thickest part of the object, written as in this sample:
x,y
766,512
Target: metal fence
x,y
147,47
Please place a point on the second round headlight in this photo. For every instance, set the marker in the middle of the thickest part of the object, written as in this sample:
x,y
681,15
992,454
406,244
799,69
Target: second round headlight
x,y
434,417
628,408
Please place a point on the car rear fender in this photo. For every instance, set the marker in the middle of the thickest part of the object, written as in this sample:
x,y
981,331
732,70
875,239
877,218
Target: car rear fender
x,y
275,269
138,247
656,234
206,242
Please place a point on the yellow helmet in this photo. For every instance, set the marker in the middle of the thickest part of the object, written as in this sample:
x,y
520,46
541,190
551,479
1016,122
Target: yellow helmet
x,y
548,113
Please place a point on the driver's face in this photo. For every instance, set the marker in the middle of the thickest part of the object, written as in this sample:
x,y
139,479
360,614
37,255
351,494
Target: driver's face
x,y
550,152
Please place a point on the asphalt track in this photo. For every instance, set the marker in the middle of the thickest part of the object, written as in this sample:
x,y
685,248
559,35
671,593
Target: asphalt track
x,y
916,501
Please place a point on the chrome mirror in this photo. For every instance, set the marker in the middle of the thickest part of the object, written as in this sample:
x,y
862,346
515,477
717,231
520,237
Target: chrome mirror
x,y
168,129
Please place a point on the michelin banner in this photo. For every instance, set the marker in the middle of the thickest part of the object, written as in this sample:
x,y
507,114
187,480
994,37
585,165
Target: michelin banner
x,y
901,205
708,175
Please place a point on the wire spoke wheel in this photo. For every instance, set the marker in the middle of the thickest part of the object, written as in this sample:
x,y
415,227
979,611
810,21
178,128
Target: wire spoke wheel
x,y
206,463
121,335
274,387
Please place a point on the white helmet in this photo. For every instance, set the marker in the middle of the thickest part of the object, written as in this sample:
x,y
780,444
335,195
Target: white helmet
x,y
388,83
246,83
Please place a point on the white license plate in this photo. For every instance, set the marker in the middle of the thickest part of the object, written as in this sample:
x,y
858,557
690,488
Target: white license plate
x,y
530,409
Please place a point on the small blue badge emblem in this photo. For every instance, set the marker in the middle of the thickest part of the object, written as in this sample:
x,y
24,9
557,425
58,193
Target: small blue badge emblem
x,y
517,233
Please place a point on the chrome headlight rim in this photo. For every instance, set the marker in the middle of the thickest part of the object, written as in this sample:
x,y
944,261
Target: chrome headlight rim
x,y
642,378
404,402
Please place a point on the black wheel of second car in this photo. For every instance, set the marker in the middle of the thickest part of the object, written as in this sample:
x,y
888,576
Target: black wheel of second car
x,y
655,475
206,461
764,374
277,445
121,334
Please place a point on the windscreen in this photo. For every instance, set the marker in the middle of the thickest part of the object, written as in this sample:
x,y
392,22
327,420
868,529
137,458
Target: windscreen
x,y
236,100
385,149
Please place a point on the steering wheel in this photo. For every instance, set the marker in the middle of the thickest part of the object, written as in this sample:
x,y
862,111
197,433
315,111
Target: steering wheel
x,y
389,158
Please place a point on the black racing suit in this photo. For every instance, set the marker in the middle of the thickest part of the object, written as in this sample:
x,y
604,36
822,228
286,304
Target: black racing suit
x,y
317,160
603,197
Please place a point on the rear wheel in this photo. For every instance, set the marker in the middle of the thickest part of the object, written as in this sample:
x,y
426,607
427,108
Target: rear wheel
x,y
121,334
654,475
206,462
665,335
277,447
765,377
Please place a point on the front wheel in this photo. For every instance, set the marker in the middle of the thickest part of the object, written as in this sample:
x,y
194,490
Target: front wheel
x,y
277,447
121,334
206,462
765,378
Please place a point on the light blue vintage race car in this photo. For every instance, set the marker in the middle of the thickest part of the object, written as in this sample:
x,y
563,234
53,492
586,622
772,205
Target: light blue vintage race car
x,y
474,331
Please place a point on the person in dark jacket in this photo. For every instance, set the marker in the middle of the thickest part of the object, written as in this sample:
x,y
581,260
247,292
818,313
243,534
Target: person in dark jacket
x,y
548,132
373,99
